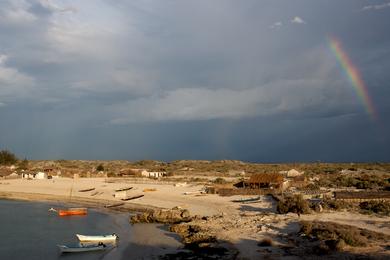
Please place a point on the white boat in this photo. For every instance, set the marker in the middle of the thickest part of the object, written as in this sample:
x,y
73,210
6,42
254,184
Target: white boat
x,y
81,248
249,200
104,238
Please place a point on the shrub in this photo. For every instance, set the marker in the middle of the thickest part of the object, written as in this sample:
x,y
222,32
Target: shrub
x,y
6,157
100,168
220,180
265,242
332,204
313,186
379,207
324,231
23,165
296,204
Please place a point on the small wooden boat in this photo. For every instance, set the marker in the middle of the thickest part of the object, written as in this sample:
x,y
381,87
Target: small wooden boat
x,y
85,190
149,189
72,211
192,192
247,200
124,189
95,193
103,238
133,197
81,248
114,205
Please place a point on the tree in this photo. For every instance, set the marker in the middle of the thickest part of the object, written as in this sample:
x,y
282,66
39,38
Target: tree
x,y
100,168
23,165
6,157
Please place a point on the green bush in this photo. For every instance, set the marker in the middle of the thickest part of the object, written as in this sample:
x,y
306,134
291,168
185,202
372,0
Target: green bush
x,y
23,165
7,158
100,168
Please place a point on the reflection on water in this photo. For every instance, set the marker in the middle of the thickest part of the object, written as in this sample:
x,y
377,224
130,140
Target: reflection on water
x,y
30,231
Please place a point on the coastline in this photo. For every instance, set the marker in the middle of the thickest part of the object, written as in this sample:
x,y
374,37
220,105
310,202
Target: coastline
x,y
133,239
237,224
163,196
80,201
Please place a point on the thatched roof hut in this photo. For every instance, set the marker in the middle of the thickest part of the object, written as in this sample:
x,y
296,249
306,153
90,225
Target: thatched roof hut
x,y
266,178
262,180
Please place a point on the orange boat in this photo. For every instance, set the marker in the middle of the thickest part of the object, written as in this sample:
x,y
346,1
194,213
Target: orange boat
x,y
72,211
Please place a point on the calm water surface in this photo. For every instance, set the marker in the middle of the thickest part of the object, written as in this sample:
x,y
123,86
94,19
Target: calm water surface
x,y
29,231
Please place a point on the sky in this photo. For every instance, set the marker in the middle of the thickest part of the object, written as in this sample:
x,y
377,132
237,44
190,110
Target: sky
x,y
253,80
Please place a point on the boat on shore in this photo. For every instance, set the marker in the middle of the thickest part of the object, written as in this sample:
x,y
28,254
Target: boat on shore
x,y
247,200
114,205
133,197
81,248
97,193
102,238
124,189
85,190
72,212
149,189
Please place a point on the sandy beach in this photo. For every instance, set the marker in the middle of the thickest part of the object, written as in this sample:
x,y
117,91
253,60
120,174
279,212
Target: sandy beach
x,y
67,190
241,225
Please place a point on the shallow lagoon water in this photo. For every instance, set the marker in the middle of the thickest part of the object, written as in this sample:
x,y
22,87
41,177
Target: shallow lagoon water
x,y
30,231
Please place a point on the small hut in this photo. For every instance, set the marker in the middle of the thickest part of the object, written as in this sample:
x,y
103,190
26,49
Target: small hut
x,y
262,181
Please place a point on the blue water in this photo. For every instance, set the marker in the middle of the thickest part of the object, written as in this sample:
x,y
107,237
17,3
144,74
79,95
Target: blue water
x,y
29,231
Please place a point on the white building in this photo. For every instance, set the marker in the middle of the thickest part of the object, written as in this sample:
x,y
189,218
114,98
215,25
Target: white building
x,y
294,173
148,174
38,175
41,175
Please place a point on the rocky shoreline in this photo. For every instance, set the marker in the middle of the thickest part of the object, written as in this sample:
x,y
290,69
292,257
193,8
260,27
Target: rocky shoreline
x,y
195,237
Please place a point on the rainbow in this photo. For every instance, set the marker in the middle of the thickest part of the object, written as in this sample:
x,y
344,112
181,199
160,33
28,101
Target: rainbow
x,y
353,75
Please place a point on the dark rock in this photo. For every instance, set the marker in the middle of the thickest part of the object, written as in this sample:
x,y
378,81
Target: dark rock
x,y
171,216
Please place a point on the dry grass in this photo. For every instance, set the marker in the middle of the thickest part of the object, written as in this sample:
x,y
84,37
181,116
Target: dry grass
x,y
295,204
336,234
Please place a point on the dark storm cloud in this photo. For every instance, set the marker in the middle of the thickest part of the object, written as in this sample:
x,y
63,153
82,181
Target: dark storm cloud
x,y
136,74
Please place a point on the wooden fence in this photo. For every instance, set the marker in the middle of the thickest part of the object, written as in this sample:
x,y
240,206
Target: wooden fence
x,y
232,192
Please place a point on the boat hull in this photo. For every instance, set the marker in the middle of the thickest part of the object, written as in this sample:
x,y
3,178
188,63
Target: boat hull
x,y
72,212
106,238
66,249
247,200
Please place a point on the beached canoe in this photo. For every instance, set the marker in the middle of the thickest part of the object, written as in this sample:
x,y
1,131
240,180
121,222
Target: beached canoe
x,y
149,189
103,238
133,197
114,205
72,211
85,190
247,200
124,189
81,248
